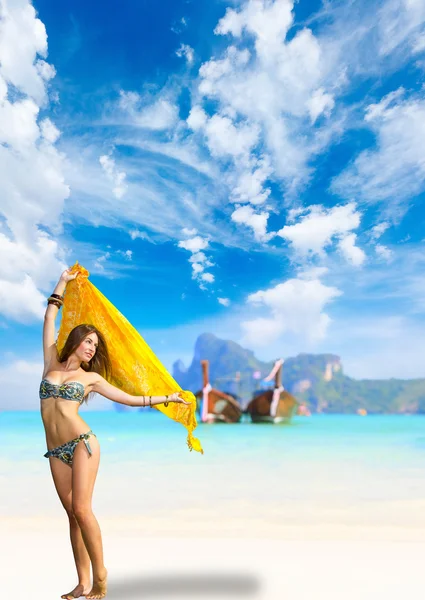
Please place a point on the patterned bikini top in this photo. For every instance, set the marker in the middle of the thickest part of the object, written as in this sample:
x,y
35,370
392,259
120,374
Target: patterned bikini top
x,y
71,390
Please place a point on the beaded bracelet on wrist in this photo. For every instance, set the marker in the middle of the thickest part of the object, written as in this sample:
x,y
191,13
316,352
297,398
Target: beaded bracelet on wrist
x,y
59,297
55,302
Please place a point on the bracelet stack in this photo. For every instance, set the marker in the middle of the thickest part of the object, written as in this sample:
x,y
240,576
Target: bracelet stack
x,y
150,401
55,299
144,401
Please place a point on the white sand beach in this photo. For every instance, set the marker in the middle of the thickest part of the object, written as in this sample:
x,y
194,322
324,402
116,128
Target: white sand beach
x,y
296,514
157,566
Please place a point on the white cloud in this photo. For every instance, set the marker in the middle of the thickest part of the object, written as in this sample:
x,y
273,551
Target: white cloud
x,y
250,184
320,226
212,71
419,44
31,305
197,118
295,306
379,230
268,21
156,115
183,151
179,26
115,176
354,254
400,22
49,131
312,272
18,124
23,40
262,100
254,103
224,301
32,187
127,254
377,111
284,82
375,233
197,269
320,103
101,260
33,259
367,338
165,195
259,98
246,215
208,277
136,234
383,251
161,115
199,259
395,170
224,138
194,244
273,89
189,232
187,52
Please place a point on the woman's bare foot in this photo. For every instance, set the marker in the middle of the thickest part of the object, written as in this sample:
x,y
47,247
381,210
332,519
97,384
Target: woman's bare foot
x,y
79,590
99,588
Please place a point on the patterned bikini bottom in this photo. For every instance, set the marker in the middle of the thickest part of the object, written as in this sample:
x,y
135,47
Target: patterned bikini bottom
x,y
65,452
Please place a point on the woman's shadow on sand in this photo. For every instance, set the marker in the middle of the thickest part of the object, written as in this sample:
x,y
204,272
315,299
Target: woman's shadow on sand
x,y
197,586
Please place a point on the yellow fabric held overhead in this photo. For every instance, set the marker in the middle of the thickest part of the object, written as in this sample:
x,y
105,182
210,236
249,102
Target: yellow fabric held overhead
x,y
135,368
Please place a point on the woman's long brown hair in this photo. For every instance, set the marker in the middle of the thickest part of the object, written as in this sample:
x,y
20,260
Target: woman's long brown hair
x,y
100,361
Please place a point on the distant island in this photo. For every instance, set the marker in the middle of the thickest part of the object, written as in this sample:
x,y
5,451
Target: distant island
x,y
316,380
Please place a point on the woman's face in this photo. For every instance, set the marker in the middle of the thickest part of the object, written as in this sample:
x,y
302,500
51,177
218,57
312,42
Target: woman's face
x,y
87,349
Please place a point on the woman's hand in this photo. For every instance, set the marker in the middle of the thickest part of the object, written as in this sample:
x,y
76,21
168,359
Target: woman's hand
x,y
176,398
67,276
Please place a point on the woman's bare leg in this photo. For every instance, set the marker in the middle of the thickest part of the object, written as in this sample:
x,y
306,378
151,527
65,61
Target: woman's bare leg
x,y
62,478
81,556
84,471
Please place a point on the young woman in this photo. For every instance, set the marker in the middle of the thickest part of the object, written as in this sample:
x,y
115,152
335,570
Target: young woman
x,y
68,378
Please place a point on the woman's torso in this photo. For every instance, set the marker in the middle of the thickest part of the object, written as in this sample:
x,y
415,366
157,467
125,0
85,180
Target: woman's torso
x,y
60,416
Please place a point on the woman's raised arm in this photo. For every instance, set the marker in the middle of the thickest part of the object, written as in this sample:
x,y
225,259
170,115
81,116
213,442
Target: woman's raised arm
x,y
49,346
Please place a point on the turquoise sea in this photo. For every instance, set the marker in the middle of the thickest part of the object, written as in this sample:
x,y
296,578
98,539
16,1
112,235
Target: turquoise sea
x,y
344,468
390,438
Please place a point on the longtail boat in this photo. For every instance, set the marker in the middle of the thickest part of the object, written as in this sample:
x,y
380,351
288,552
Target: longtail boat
x,y
216,406
274,405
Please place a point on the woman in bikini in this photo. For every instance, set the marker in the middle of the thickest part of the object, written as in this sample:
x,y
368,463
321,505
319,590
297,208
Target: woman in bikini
x,y
82,367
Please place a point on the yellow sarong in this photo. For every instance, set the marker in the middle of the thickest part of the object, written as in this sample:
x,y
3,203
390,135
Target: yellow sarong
x,y
135,368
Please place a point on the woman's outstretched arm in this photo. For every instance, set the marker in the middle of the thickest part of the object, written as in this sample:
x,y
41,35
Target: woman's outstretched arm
x,y
103,387
49,346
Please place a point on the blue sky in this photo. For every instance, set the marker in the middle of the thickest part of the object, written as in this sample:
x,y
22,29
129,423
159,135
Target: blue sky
x,y
254,169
